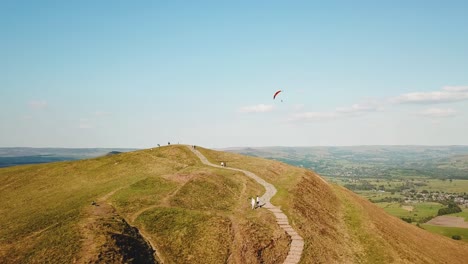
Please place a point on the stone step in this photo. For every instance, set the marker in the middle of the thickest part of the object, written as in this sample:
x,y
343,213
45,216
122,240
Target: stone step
x,y
292,260
295,249
291,257
297,243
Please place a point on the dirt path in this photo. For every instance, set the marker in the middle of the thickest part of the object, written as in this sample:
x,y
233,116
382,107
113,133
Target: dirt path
x,y
39,232
297,243
91,242
134,216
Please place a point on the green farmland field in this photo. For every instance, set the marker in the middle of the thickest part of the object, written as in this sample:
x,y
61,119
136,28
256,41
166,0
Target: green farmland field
x,y
419,213
447,231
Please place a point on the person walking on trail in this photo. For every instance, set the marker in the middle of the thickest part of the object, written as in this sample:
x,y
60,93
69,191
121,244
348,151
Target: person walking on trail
x,y
253,203
258,201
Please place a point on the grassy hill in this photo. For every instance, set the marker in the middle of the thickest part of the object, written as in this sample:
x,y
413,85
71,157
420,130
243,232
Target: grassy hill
x,y
191,213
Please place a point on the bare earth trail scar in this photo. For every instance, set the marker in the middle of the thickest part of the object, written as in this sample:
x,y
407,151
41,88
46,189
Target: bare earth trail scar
x,y
297,243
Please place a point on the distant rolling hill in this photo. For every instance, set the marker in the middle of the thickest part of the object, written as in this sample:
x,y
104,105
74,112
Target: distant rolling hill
x,y
21,156
164,205
371,161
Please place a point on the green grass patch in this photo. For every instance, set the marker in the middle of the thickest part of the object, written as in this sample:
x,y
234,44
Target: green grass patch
x,y
463,213
376,196
209,191
447,231
146,192
420,213
189,235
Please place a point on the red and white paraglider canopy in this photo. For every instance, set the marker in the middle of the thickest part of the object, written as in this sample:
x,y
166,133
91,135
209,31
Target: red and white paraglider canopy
x,y
277,92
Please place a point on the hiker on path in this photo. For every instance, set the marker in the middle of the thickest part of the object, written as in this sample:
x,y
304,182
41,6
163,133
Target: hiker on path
x,y
253,203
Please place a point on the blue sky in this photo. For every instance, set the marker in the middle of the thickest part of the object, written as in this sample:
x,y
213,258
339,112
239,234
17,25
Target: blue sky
x,y
139,73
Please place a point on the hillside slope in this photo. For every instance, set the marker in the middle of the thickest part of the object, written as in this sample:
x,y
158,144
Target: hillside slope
x,y
166,200
188,212
339,226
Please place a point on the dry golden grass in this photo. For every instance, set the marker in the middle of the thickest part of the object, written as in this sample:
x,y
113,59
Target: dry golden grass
x,y
168,193
339,226
407,243
43,205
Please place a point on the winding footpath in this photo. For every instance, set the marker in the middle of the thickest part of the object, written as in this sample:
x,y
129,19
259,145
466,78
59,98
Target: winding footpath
x,y
297,243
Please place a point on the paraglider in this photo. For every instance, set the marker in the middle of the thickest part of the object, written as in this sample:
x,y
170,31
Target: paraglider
x,y
277,92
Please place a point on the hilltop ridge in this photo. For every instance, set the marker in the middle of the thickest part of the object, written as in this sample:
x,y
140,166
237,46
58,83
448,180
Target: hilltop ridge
x,y
191,213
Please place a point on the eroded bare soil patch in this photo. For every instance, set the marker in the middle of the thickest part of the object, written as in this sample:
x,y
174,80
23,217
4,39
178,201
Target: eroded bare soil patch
x,y
449,221
108,238
408,208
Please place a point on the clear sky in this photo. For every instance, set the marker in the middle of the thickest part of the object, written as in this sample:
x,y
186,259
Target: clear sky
x,y
139,73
